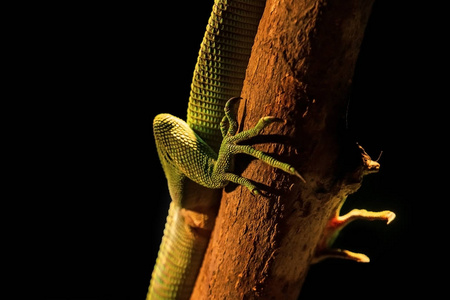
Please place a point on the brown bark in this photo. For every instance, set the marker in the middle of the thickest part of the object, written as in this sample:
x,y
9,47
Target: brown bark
x,y
300,70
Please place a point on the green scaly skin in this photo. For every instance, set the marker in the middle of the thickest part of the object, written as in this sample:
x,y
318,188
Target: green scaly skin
x,y
197,155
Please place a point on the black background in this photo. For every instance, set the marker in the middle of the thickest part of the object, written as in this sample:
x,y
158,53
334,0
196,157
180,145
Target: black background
x,y
98,76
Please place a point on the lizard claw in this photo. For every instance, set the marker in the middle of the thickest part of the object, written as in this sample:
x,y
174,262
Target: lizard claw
x,y
256,192
299,176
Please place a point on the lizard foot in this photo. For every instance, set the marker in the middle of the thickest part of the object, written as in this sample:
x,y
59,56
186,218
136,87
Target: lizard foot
x,y
229,147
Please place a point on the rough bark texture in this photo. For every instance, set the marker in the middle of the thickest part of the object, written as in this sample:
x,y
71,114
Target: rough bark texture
x,y
300,71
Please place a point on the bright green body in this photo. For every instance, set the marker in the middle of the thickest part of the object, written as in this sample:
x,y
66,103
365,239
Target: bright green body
x,y
221,64
197,155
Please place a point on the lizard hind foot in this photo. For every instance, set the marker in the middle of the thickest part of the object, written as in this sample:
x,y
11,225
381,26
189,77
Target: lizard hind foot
x,y
230,147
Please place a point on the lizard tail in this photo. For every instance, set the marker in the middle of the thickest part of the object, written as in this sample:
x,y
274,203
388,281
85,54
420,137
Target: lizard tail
x,y
179,259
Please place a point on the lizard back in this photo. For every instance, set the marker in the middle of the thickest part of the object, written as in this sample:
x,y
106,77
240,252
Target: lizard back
x,y
221,64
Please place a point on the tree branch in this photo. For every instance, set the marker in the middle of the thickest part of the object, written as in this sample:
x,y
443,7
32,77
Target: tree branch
x,y
301,71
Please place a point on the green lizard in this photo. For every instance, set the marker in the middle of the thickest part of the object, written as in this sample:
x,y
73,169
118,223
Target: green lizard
x,y
197,155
